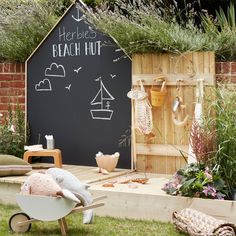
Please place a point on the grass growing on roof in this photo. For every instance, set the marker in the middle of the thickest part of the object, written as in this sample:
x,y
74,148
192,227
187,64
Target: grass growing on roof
x,y
105,226
143,27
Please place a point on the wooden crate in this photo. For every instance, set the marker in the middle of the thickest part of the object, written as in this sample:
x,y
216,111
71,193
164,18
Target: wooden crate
x,y
162,154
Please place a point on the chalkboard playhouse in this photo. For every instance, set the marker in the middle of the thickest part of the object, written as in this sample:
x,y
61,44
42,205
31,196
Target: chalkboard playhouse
x,y
76,91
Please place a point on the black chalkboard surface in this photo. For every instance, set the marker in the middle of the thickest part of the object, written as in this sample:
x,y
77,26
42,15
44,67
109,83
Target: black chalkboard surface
x,y
76,91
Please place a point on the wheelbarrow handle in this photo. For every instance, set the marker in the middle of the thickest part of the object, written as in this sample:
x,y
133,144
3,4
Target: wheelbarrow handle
x,y
80,209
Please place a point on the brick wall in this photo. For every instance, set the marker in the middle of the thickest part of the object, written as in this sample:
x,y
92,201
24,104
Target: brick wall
x,y
226,71
12,86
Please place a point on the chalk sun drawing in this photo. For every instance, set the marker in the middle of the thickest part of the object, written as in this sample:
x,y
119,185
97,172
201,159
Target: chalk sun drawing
x,y
44,85
68,87
102,98
78,18
55,70
77,70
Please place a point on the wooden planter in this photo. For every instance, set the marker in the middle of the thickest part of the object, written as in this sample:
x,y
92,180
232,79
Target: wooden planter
x,y
162,154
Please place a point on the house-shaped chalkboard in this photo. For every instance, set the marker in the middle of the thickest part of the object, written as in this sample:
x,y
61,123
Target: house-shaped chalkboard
x,y
76,91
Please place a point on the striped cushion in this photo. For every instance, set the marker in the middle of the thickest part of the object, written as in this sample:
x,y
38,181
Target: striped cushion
x,y
11,165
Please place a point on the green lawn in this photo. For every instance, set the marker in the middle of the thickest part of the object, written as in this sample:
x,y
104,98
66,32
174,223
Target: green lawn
x,y
105,226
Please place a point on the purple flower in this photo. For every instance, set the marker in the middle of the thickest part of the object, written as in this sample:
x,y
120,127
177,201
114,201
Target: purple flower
x,y
208,174
209,191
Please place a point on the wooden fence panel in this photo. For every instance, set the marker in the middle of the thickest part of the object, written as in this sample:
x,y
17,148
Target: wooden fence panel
x,y
161,154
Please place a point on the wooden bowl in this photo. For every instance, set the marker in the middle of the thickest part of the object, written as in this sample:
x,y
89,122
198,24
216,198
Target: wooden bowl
x,y
107,162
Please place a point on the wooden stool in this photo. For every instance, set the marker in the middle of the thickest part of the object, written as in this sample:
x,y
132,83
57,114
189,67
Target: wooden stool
x,y
55,153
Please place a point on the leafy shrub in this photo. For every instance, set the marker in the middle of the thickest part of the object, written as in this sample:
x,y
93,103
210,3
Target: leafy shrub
x,y
197,180
12,133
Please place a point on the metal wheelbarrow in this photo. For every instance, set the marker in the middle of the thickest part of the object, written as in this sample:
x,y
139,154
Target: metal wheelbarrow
x,y
44,208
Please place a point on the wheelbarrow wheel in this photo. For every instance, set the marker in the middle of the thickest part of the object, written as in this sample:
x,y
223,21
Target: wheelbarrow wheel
x,y
16,219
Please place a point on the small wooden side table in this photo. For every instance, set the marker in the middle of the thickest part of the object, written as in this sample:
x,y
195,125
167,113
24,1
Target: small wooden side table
x,y
55,153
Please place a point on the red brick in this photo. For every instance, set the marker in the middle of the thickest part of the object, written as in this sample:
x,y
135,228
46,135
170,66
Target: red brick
x,y
16,106
5,77
4,99
233,79
7,67
18,77
17,84
225,67
218,67
3,107
233,67
17,99
17,92
18,67
1,67
4,84
21,100
4,92
223,78
23,68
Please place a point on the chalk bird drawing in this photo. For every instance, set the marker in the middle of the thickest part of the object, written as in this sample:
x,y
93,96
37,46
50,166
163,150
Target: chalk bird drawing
x,y
68,87
55,70
44,85
102,98
99,78
78,18
77,70
112,76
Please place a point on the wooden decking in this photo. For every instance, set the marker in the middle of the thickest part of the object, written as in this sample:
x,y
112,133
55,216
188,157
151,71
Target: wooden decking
x,y
86,174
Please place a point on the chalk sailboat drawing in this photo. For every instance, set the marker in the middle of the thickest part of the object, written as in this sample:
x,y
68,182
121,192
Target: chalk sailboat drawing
x,y
102,98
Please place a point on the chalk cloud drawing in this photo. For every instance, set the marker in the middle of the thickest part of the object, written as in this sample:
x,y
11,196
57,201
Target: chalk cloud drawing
x,y
112,76
78,18
77,70
44,85
68,87
102,98
55,70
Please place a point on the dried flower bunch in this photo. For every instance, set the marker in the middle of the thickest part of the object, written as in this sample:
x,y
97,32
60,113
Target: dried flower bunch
x,y
203,143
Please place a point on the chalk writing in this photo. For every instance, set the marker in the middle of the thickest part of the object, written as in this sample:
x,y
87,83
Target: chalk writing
x,y
63,50
93,48
67,36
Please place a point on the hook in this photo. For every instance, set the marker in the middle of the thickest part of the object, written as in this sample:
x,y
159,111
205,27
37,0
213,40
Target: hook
x,y
140,81
160,78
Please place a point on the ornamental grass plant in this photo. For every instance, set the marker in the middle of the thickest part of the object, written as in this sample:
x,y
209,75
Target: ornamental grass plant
x,y
224,121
